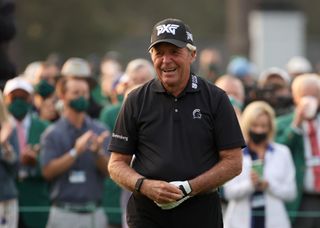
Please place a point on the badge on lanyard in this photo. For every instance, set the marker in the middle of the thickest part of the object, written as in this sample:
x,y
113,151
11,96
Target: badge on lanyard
x,y
77,177
313,161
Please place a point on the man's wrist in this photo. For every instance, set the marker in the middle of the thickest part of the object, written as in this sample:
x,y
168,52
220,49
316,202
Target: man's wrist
x,y
138,184
73,153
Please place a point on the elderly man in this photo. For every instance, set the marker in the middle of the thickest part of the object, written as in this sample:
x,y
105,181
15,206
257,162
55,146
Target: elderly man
x,y
298,130
185,137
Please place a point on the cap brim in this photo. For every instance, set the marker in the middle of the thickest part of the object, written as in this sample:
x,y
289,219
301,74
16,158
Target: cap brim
x,y
177,43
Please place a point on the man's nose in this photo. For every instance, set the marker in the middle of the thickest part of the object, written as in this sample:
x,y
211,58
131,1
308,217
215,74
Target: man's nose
x,y
166,58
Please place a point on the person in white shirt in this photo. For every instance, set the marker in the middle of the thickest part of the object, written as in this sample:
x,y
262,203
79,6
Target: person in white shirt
x,y
256,197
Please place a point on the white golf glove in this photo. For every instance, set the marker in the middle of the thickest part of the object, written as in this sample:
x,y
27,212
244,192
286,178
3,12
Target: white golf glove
x,y
184,186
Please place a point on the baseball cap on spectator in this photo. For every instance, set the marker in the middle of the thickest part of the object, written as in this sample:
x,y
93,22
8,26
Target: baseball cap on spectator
x,y
274,71
76,67
17,83
31,71
240,67
173,31
298,65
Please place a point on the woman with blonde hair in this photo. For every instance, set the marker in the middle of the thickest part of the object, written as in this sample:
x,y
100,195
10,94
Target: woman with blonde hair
x,y
256,197
8,168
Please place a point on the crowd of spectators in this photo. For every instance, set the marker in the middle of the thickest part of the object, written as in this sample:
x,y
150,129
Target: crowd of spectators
x,y
56,122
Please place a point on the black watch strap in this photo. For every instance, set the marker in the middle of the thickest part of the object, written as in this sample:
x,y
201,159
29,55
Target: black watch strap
x,y
138,184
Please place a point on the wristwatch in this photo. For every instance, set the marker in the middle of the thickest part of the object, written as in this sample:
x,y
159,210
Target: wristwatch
x,y
73,153
138,184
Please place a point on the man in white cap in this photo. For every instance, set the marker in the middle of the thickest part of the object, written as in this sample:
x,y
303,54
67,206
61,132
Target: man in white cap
x,y
184,135
274,88
31,186
298,65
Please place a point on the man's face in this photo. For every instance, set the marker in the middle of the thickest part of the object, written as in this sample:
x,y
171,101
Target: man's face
x,y
140,76
172,64
17,94
76,88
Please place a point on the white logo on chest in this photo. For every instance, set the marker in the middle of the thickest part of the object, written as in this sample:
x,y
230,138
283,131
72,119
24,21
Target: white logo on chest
x,y
196,114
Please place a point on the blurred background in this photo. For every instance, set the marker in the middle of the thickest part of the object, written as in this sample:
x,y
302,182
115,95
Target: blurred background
x,y
266,32
89,29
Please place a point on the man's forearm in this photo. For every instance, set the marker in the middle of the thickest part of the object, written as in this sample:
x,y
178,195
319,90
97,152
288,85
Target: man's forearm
x,y
121,172
58,166
229,166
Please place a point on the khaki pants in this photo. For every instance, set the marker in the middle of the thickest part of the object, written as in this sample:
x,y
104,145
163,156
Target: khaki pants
x,y
61,218
9,213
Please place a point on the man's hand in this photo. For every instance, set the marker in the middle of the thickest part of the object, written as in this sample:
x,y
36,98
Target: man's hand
x,y
161,192
84,142
98,141
29,156
5,132
184,186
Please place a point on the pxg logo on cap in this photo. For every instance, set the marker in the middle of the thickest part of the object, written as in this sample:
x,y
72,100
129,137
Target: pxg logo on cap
x,y
172,31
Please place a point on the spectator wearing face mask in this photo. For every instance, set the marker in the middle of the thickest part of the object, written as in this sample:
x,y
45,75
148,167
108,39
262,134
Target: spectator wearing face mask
x,y
45,97
31,186
78,67
256,197
274,88
235,91
74,160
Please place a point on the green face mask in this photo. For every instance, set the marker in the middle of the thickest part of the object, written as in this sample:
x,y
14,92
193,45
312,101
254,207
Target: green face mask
x,y
44,89
120,97
19,108
79,104
235,102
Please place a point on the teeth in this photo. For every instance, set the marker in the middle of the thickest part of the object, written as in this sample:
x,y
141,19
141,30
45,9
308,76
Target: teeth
x,y
169,70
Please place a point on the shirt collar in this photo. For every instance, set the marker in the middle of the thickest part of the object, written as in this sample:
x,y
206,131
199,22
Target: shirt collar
x,y
270,148
192,86
68,124
25,122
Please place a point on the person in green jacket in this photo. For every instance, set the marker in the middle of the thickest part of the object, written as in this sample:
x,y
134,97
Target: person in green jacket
x,y
32,188
293,130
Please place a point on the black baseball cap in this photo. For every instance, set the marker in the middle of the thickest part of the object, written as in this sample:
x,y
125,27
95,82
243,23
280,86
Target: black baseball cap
x,y
172,31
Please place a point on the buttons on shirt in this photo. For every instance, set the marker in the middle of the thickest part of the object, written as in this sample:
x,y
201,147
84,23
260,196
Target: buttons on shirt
x,y
175,99
175,110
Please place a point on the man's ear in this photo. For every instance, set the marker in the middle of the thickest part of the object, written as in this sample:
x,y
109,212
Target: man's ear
x,y
193,55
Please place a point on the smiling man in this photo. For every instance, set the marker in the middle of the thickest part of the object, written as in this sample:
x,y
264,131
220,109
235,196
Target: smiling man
x,y
184,136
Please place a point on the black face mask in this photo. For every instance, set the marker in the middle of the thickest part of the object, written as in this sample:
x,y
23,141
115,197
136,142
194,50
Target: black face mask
x,y
258,138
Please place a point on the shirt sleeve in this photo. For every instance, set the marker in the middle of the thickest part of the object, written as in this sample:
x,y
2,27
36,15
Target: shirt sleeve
x,y
227,132
49,147
125,134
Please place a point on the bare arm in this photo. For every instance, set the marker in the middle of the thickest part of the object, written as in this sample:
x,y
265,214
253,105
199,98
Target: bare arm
x,y
121,172
229,166
58,166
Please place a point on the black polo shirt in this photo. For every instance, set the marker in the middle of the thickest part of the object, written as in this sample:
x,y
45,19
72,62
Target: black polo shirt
x,y
176,138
